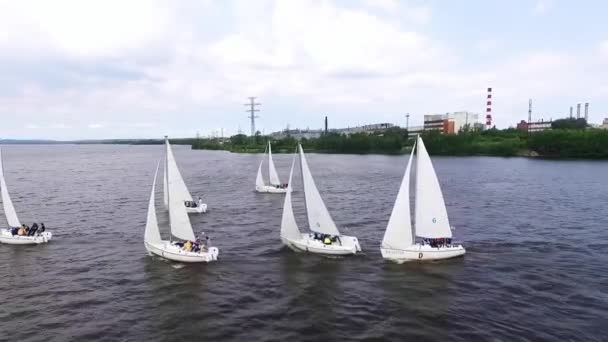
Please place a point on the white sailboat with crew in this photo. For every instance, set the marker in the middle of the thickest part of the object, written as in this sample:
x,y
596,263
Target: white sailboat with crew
x,y
18,234
187,248
432,225
182,192
274,185
324,236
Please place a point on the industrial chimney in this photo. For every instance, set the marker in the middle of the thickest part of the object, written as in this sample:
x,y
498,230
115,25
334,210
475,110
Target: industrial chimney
x,y
570,112
578,111
326,125
489,109
587,111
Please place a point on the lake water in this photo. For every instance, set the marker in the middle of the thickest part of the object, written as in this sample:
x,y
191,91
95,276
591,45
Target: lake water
x,y
535,231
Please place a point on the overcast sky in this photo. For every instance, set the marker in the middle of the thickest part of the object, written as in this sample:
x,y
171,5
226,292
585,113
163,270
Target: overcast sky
x,y
74,69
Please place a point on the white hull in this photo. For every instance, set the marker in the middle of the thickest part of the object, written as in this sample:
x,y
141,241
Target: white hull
x,y
422,253
168,251
201,208
350,245
270,189
8,238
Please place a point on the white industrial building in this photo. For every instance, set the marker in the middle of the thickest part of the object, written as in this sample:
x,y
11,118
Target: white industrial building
x,y
460,119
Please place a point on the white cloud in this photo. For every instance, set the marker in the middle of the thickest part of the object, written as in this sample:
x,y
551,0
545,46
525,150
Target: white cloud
x,y
83,28
603,48
416,14
543,6
313,41
142,124
487,45
131,68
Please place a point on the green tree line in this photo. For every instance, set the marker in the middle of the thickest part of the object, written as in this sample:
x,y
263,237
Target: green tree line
x,y
575,141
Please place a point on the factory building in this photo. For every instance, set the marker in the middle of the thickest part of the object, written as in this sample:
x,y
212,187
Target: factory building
x,y
316,133
451,123
537,126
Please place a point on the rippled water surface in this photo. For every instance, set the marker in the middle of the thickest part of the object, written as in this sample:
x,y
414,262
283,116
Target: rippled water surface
x,y
536,266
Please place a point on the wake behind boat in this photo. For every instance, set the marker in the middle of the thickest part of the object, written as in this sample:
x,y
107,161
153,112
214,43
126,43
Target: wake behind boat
x,y
182,192
275,186
432,224
189,249
324,238
18,234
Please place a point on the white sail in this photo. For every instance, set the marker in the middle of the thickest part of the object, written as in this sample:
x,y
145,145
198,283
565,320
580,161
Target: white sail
x,y
431,213
289,227
272,171
177,182
319,219
398,234
259,181
152,233
165,199
9,209
177,193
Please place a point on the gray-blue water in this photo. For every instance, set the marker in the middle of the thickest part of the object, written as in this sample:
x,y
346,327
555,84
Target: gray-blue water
x,y
536,266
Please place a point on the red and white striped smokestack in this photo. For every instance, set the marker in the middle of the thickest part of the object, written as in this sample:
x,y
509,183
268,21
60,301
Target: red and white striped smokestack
x,y
489,109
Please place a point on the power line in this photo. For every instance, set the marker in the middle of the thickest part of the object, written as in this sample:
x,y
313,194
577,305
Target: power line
x,y
252,104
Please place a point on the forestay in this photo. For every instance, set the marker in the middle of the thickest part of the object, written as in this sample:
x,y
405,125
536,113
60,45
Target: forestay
x,y
272,171
152,233
319,219
289,226
9,209
180,223
398,234
431,213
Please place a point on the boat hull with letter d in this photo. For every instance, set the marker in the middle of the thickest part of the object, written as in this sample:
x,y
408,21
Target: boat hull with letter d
x,y
432,223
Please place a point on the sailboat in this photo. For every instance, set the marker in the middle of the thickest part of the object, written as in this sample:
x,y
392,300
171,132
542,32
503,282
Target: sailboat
x,y
192,207
275,186
179,221
432,223
10,235
324,236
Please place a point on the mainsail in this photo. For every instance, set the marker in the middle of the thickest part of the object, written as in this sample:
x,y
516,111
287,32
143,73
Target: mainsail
x,y
431,213
289,227
152,233
398,234
9,209
272,172
177,194
319,219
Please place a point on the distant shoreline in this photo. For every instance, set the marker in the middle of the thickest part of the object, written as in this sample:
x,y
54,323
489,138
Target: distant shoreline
x,y
578,143
180,141
588,144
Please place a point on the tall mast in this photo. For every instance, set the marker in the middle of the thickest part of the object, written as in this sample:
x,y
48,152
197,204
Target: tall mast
x,y
167,182
416,146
